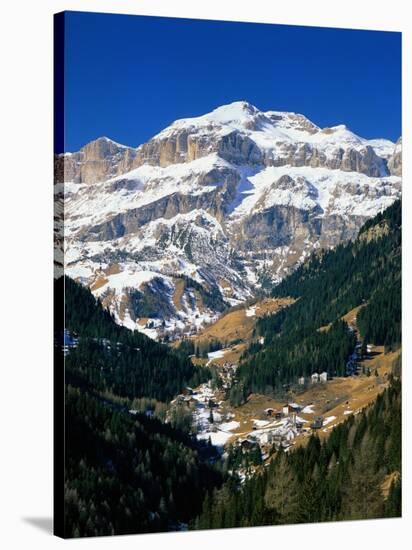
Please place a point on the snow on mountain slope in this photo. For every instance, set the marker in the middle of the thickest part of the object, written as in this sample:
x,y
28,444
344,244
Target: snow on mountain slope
x,y
139,187
306,188
269,138
212,208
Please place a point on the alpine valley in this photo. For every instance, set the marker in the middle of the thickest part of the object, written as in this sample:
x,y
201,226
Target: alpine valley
x,y
214,210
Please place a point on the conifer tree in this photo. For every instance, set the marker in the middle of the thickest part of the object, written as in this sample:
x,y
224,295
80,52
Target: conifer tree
x,y
362,497
281,494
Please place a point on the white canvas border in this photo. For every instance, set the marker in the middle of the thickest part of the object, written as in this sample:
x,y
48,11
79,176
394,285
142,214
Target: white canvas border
x,y
26,284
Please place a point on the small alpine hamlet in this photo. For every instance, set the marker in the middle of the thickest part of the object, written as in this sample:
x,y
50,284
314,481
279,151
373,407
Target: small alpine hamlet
x,y
227,278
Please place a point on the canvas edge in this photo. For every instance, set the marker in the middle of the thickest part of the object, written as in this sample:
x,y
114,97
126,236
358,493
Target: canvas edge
x,y
58,298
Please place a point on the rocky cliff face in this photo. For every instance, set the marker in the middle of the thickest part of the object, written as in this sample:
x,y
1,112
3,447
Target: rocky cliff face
x,y
96,161
257,138
395,160
213,208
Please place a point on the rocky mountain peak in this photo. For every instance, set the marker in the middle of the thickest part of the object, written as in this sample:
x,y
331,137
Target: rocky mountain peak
x,y
101,148
395,160
213,208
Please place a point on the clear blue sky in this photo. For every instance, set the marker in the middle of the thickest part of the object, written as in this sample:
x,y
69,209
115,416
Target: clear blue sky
x,y
128,77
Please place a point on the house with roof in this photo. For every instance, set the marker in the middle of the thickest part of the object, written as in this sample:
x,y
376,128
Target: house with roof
x,y
317,423
323,377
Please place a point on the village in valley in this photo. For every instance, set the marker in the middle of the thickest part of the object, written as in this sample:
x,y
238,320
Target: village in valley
x,y
264,425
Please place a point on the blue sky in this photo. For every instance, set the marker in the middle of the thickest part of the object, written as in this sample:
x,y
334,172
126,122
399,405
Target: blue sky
x,y
128,77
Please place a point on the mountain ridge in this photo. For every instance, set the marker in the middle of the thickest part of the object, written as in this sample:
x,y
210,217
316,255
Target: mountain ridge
x,y
231,200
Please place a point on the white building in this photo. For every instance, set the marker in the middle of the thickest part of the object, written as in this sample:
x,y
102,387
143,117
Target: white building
x,y
315,378
266,438
323,377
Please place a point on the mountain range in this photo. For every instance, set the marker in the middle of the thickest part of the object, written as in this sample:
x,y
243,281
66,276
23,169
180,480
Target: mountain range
x,y
213,210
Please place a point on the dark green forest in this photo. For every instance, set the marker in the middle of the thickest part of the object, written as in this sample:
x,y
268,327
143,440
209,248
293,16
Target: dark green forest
x,y
128,473
366,271
125,473
114,359
339,478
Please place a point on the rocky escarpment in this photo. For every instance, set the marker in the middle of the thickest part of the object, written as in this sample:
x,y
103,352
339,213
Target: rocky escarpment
x,y
235,147
97,161
168,207
214,208
256,139
395,161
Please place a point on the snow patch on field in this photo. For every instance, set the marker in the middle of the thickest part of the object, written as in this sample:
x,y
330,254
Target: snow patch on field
x,y
218,438
215,355
251,311
229,426
261,423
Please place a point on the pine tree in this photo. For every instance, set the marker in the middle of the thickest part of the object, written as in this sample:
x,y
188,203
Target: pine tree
x,y
393,504
281,494
362,497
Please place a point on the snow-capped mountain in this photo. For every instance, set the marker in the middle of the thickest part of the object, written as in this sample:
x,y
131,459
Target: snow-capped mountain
x,y
170,233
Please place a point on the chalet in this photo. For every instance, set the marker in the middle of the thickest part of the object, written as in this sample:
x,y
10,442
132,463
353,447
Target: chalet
x,y
187,391
323,377
315,378
266,438
270,412
291,408
317,423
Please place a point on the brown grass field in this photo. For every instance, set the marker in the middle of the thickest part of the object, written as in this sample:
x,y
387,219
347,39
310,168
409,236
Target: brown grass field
x,y
235,324
331,399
